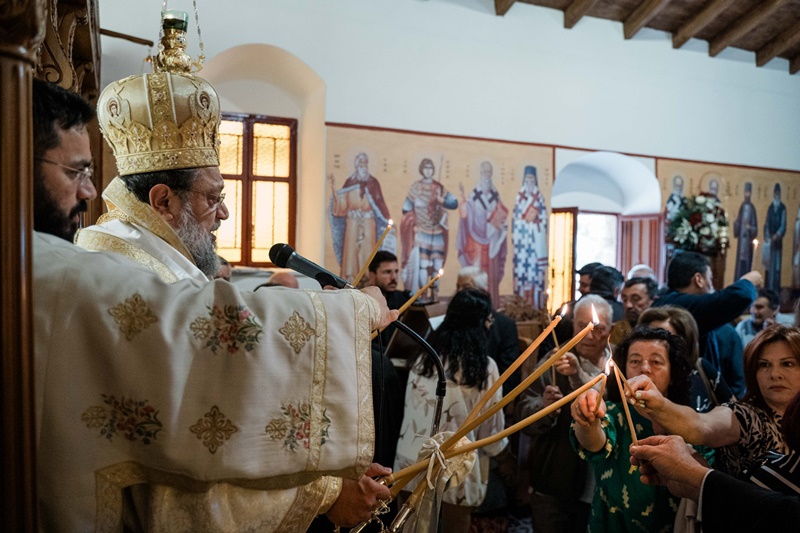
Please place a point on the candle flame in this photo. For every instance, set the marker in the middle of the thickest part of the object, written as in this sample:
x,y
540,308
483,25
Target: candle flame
x,y
391,223
609,364
595,318
564,309
755,243
441,272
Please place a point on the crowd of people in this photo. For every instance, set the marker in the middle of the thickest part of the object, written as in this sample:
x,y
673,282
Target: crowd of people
x,y
171,401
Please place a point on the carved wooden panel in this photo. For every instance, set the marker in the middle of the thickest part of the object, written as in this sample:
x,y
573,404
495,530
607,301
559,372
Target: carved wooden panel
x,y
70,57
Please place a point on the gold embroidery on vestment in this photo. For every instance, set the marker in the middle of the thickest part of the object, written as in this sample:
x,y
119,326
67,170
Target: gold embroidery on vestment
x,y
133,316
214,429
297,332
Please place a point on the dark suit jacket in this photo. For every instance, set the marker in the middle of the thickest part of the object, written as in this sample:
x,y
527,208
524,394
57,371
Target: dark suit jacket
x,y
730,504
504,347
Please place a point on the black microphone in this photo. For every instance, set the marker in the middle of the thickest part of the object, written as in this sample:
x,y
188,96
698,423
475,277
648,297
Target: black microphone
x,y
284,256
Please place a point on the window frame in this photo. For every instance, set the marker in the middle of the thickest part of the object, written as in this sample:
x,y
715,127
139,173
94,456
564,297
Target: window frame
x,y
248,180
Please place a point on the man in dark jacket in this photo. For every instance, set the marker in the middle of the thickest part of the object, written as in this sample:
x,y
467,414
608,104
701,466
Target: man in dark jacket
x,y
691,287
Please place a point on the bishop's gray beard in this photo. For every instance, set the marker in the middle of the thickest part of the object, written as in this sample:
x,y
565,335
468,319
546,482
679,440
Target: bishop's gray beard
x,y
198,241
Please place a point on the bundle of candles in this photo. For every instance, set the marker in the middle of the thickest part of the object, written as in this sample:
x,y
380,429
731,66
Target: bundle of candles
x,y
398,480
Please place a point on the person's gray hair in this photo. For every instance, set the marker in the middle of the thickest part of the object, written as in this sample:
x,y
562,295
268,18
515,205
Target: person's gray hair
x,y
479,277
641,271
601,306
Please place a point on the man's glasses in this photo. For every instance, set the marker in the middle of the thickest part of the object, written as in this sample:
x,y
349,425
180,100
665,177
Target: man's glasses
x,y
214,201
74,173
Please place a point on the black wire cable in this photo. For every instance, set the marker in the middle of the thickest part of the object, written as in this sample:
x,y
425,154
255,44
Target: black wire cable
x,y
441,387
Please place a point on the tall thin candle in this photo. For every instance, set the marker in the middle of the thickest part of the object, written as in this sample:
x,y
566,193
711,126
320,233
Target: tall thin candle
x,y
625,407
417,294
375,249
410,471
510,370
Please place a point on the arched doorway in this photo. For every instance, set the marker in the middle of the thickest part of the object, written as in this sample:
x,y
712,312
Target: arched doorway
x,y
606,208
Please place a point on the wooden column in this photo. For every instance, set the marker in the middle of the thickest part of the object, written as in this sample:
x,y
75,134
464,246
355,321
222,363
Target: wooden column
x,y
23,29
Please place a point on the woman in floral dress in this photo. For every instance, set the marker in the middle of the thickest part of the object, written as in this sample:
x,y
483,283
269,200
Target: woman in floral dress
x,y
602,437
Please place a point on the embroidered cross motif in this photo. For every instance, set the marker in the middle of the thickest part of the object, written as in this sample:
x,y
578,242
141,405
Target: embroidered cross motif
x,y
297,331
231,327
133,316
134,419
293,426
214,429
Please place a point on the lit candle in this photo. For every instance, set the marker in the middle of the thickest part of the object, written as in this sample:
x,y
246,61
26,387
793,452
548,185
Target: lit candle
x,y
469,425
375,249
410,471
510,370
603,386
625,407
555,342
419,293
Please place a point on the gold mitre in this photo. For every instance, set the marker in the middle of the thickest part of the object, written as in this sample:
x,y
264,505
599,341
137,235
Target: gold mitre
x,y
165,120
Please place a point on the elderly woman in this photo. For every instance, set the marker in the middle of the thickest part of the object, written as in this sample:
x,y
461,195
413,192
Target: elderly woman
x,y
708,386
745,430
601,435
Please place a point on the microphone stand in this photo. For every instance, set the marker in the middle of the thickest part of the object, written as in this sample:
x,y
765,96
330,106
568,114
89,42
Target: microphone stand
x,y
441,390
441,386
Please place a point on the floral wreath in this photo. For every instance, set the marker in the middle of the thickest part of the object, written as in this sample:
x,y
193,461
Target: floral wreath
x,y
700,225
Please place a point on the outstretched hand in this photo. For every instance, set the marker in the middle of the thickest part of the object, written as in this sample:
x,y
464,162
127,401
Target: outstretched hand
x,y
387,315
359,498
667,460
588,408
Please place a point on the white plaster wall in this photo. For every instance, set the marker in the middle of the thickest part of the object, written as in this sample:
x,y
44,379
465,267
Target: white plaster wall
x,y
452,66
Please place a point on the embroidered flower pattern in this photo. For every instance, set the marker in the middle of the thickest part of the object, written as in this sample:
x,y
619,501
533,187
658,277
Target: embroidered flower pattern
x,y
293,427
231,327
133,316
297,331
133,419
214,429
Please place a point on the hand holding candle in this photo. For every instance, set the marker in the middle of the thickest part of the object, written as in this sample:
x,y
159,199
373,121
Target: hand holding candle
x,y
609,363
420,292
375,249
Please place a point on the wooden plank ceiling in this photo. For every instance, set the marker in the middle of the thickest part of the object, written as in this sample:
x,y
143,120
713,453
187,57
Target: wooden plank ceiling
x,y
770,28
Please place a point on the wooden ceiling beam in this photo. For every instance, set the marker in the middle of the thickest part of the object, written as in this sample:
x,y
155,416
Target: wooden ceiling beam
x,y
781,43
743,25
794,65
576,10
694,25
642,15
501,7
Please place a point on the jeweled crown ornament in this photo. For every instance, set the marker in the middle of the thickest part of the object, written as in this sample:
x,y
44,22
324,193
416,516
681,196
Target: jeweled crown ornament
x,y
165,120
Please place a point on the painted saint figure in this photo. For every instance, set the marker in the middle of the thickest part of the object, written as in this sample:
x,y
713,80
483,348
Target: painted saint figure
x,y
483,231
745,228
529,237
676,200
774,230
358,216
423,229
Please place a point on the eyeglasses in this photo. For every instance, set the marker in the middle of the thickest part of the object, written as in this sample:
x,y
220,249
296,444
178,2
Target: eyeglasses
x,y
76,174
214,201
